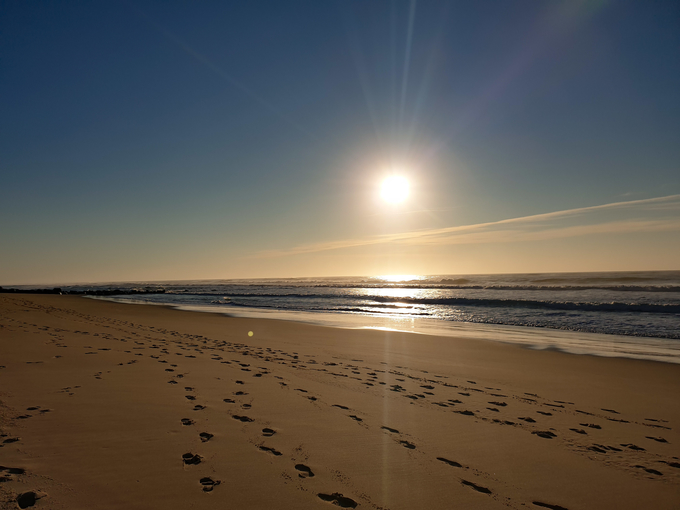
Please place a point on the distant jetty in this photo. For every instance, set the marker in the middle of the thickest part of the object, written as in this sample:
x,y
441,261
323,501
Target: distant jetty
x,y
85,292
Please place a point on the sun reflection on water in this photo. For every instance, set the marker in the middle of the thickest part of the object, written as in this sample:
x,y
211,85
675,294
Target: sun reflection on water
x,y
394,302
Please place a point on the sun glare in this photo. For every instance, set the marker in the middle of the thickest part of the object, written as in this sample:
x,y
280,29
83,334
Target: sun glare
x,y
394,278
394,189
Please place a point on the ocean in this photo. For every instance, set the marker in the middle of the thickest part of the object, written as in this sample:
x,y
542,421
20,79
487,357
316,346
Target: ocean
x,y
626,314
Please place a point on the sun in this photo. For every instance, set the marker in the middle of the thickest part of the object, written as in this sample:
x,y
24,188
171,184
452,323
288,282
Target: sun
x,y
394,189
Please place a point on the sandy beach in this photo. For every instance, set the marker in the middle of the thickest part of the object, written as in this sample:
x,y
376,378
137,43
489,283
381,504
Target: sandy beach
x,y
108,405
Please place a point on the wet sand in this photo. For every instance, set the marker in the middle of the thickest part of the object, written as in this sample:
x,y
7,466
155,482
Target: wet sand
x,y
107,405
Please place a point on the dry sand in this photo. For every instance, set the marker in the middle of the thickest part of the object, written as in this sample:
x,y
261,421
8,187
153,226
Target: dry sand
x,y
107,405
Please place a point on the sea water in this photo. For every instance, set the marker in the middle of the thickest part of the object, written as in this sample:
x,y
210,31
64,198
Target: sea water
x,y
633,314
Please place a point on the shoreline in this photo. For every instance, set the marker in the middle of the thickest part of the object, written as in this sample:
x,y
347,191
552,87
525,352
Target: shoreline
x,y
529,337
94,392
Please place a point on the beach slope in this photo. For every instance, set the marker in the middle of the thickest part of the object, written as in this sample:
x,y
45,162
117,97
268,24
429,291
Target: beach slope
x,y
106,405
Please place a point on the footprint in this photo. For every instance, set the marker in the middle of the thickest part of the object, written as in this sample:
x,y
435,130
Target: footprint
x,y
13,471
579,431
198,407
544,413
356,418
229,400
191,459
408,445
548,505
389,429
205,436
242,418
652,471
499,404
190,397
187,421
268,432
657,439
527,419
270,450
546,434
208,483
305,472
476,487
450,462
338,499
26,499
590,425
612,448
341,407
631,446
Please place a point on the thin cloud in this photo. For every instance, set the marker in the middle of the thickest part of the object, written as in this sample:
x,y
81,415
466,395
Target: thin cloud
x,y
506,236
526,228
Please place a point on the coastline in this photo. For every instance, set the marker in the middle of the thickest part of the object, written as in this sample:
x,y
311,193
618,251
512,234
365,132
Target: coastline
x,y
387,419
536,337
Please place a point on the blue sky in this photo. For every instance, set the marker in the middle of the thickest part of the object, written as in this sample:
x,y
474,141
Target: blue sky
x,y
181,140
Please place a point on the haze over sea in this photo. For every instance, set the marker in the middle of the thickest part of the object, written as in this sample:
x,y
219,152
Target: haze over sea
x,y
630,314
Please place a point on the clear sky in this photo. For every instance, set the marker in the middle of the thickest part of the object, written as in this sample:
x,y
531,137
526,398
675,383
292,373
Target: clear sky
x,y
165,140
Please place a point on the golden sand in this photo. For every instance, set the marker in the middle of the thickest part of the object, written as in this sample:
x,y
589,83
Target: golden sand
x,y
106,405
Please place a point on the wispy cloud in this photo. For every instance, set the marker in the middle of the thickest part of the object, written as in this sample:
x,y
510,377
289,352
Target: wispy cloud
x,y
652,214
